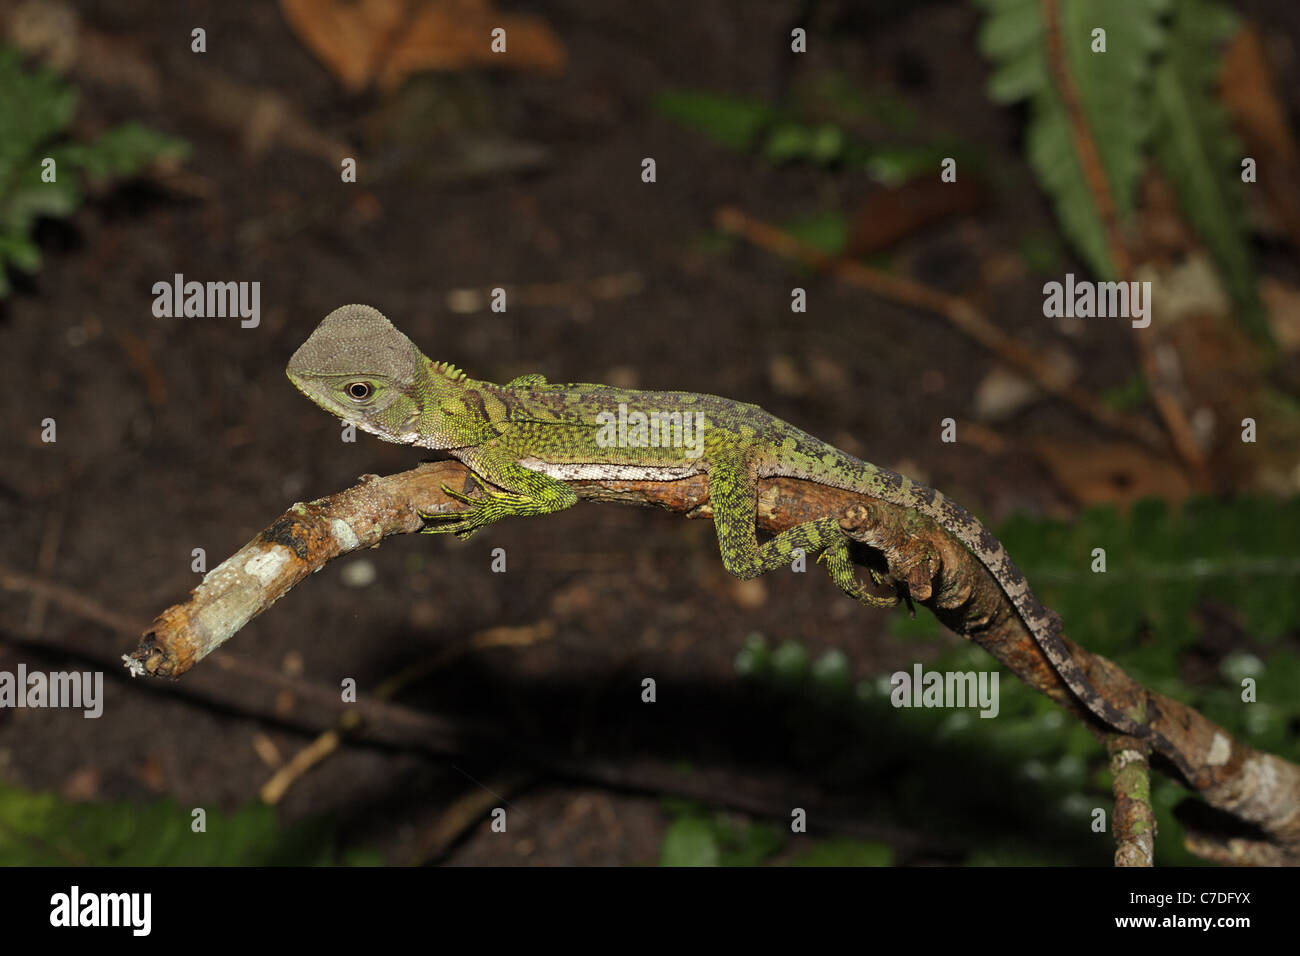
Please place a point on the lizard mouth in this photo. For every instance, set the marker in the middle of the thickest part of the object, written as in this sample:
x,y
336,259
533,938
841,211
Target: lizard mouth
x,y
399,438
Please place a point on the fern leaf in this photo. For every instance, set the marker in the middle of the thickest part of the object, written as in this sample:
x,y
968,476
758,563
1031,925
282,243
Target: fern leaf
x,y
1197,150
36,109
1114,93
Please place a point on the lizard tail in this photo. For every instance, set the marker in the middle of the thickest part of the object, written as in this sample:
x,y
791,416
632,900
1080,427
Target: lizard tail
x,y
1044,625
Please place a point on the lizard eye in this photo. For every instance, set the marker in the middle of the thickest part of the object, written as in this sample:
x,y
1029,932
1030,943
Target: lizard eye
x,y
359,391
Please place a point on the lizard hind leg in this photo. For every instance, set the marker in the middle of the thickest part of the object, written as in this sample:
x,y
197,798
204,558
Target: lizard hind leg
x,y
733,493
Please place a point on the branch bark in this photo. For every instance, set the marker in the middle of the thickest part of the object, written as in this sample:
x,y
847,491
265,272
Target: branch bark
x,y
936,571
1134,820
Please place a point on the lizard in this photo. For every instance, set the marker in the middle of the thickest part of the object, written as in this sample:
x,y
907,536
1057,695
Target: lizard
x,y
530,437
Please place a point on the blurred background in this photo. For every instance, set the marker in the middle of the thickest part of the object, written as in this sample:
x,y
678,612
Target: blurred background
x,y
795,145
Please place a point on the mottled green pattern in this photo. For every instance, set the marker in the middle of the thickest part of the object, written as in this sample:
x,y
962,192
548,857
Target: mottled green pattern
x,y
529,437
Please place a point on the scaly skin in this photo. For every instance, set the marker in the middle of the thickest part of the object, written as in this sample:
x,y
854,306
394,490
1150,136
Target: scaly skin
x,y
528,437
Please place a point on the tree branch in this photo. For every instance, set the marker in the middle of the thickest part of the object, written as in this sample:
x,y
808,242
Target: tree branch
x,y
1134,821
935,569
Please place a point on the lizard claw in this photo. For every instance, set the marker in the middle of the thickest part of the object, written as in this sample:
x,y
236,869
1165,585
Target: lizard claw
x,y
481,512
459,523
462,522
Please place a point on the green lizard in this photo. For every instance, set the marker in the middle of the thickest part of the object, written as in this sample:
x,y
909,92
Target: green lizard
x,y
529,437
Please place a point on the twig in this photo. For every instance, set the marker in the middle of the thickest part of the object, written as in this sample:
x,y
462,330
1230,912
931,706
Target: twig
x,y
318,750
67,598
1134,822
960,313
273,791
45,559
462,815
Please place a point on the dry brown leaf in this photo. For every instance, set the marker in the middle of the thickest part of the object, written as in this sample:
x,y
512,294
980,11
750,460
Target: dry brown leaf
x,y
888,216
1248,89
1111,472
381,42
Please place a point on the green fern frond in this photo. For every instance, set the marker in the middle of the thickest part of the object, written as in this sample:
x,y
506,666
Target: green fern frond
x,y
1114,91
1151,93
1198,151
36,110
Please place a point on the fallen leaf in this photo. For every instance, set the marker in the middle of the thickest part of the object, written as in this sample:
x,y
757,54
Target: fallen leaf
x,y
1247,87
890,215
1111,472
381,42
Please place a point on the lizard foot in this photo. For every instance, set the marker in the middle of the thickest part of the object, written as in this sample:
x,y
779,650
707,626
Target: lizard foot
x,y
481,512
840,567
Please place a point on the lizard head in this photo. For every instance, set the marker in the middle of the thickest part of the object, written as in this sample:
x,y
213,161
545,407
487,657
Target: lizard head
x,y
358,366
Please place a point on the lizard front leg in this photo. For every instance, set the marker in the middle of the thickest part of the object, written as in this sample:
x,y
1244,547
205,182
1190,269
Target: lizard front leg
x,y
526,492
733,491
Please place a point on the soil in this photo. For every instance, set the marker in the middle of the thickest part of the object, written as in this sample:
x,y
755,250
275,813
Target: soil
x,y
182,434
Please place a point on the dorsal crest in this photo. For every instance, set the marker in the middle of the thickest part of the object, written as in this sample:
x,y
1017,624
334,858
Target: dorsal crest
x,y
449,370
